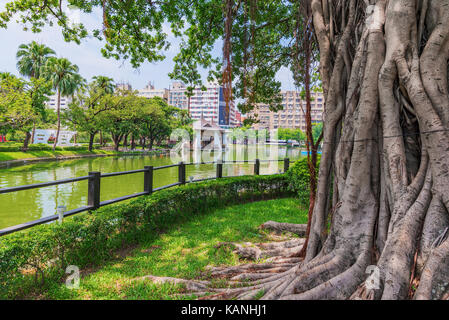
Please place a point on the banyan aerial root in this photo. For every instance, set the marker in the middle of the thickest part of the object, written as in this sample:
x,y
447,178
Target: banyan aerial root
x,y
385,150
380,223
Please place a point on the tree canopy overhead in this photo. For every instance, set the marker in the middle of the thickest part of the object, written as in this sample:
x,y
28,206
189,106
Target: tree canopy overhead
x,y
257,37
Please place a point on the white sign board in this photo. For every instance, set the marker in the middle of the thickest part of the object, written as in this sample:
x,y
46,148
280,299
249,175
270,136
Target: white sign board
x,y
42,136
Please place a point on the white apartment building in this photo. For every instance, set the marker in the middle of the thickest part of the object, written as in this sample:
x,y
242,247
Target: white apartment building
x,y
150,92
293,114
209,105
176,95
53,102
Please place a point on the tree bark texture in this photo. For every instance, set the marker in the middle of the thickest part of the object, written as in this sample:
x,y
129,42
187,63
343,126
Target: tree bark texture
x,y
385,152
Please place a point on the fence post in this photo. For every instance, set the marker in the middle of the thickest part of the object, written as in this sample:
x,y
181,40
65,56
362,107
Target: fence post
x,y
286,164
219,169
182,172
257,167
93,197
148,180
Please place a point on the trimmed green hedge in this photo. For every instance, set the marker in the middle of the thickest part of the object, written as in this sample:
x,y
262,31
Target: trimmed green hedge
x,y
17,147
299,179
30,259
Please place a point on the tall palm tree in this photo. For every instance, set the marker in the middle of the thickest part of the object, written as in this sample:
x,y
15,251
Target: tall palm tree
x,y
32,58
105,83
65,79
79,83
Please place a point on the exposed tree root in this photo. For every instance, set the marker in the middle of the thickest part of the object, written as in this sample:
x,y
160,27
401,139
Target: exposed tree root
x,y
280,276
265,250
298,229
249,280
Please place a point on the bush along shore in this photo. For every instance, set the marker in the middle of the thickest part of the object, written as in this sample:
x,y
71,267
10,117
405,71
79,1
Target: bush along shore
x,y
32,259
11,155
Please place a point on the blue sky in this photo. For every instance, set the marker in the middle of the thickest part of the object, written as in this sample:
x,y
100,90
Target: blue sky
x,y
89,59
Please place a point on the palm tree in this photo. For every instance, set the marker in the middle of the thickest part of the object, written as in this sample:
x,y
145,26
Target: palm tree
x,y
65,79
32,57
80,84
105,83
6,75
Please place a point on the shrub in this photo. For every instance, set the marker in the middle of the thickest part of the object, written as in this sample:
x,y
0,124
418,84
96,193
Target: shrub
x,y
15,136
17,147
298,177
30,259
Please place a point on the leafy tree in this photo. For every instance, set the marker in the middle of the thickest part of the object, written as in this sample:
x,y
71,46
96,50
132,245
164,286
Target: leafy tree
x,y
50,118
180,119
238,135
150,119
317,130
291,134
119,117
153,121
88,105
108,85
64,78
16,111
159,120
285,134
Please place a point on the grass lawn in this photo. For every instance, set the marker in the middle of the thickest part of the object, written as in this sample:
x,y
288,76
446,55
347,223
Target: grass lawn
x,y
181,251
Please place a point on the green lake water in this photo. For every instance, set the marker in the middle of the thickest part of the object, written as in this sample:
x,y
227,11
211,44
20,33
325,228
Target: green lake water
x,y
23,206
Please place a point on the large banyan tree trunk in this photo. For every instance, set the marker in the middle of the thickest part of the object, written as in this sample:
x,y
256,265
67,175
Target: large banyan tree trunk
x,y
385,155
380,222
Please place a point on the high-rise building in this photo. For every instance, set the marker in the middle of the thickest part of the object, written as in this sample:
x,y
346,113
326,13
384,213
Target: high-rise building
x,y
293,114
209,104
176,95
150,92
